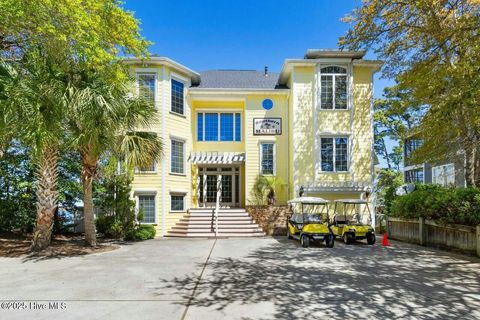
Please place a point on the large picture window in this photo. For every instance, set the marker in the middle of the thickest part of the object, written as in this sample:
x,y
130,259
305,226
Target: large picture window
x,y
146,86
146,203
267,158
177,97
444,175
333,88
177,157
334,154
219,126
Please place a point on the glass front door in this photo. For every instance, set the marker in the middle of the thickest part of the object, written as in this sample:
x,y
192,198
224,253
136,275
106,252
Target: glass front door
x,y
230,196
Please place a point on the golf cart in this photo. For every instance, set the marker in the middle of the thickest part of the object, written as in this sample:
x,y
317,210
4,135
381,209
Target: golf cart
x,y
309,221
348,225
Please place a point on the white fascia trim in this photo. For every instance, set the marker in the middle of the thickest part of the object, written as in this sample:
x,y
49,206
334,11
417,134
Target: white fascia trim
x,y
230,91
376,65
165,61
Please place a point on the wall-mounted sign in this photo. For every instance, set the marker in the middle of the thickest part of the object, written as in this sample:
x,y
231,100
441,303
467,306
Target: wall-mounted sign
x,y
267,104
267,126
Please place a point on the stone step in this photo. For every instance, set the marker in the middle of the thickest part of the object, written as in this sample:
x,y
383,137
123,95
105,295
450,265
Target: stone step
x,y
220,223
221,229
220,210
212,234
190,218
221,214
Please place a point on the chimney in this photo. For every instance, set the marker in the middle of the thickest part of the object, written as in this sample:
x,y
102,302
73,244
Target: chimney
x,y
266,71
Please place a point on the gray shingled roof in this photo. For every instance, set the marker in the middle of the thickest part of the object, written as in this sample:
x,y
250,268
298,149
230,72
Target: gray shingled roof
x,y
238,79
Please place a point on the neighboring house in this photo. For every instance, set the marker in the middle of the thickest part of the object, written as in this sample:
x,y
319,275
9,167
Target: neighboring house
x,y
309,125
448,172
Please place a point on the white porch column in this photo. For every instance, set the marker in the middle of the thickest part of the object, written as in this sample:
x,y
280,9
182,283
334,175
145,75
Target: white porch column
x,y
204,188
219,188
198,188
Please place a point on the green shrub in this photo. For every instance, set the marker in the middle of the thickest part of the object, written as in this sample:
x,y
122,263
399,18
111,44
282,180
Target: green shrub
x,y
445,205
142,232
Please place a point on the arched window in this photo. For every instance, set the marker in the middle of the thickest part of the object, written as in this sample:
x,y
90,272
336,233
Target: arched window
x,y
333,88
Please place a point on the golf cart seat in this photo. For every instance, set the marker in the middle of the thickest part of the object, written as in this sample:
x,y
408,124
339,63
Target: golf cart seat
x,y
339,220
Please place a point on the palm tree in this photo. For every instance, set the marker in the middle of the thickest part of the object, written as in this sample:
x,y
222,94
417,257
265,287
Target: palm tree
x,y
34,109
265,189
103,118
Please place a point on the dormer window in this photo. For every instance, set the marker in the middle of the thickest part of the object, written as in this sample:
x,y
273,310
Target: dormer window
x,y
333,88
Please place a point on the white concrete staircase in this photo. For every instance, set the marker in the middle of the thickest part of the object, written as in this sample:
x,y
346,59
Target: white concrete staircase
x,y
198,223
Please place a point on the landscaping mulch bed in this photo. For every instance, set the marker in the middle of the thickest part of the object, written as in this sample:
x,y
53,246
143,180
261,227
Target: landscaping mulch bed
x,y
18,246
272,219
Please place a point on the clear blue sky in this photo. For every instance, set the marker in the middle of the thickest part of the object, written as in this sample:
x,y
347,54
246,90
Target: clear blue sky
x,y
248,34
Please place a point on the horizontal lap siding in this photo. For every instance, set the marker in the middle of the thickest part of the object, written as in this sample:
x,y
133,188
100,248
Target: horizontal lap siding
x,y
362,151
254,109
177,126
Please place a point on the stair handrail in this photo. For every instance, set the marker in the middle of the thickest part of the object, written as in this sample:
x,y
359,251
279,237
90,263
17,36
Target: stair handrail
x,y
217,203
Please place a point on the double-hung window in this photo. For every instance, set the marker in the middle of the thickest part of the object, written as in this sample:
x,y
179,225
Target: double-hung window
x,y
146,86
146,203
334,154
333,88
267,158
219,126
177,97
177,202
177,163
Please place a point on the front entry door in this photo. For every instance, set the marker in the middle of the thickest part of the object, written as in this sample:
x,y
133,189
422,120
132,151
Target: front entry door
x,y
230,187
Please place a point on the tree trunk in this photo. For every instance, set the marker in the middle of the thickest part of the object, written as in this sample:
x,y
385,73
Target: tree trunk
x,y
89,168
47,196
477,165
469,164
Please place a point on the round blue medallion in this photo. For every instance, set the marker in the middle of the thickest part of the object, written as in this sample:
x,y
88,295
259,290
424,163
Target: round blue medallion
x,y
267,104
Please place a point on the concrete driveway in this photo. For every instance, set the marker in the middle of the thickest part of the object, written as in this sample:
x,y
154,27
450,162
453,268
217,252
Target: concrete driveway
x,y
262,278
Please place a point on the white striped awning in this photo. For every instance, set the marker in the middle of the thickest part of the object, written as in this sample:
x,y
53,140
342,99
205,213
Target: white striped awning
x,y
217,157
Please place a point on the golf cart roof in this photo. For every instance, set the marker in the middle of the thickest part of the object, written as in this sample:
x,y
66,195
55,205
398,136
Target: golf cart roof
x,y
352,201
308,200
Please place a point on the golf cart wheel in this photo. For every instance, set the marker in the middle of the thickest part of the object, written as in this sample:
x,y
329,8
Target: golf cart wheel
x,y
348,238
289,236
304,241
330,241
371,238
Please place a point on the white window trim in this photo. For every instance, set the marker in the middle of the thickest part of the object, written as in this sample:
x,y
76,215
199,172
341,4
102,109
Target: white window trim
x,y
334,153
234,112
260,157
184,142
147,71
348,76
146,192
184,81
177,193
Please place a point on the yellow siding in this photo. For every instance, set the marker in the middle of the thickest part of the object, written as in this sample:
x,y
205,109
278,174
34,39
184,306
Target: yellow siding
x,y
255,110
176,126
310,123
297,148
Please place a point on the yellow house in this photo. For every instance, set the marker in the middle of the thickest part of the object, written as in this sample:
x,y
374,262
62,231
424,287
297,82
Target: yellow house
x,y
309,125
